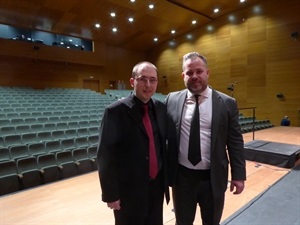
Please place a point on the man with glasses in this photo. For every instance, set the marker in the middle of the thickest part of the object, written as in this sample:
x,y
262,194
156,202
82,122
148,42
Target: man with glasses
x,y
132,152
209,138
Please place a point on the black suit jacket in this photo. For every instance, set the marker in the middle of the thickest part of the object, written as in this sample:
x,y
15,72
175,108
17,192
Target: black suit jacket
x,y
123,154
226,137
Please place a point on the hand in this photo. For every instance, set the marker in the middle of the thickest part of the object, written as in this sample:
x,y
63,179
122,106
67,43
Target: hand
x,y
238,185
114,205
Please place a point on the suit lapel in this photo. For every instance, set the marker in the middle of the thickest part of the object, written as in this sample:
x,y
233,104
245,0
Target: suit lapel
x,y
216,111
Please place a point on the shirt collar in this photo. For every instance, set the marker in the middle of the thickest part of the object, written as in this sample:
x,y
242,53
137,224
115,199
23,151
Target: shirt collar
x,y
206,93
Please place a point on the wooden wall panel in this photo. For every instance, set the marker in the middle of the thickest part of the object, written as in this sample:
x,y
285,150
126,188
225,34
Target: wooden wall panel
x,y
255,50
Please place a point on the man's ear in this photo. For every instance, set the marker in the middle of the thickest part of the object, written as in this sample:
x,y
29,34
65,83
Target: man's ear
x,y
131,82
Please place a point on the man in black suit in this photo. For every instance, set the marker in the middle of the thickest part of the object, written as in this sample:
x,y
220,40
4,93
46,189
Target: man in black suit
x,y
133,178
202,178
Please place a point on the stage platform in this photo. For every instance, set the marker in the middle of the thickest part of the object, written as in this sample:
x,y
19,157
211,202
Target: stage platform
x,y
278,205
273,153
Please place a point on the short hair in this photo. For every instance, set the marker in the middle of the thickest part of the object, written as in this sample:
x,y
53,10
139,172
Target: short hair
x,y
191,55
138,67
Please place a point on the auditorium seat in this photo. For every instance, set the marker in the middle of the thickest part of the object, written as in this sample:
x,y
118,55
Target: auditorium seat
x,y
4,122
53,146
2,144
73,125
12,140
49,168
50,126
29,171
7,130
93,140
30,120
66,163
36,127
81,142
94,123
12,115
42,120
23,129
71,133
67,144
64,118
9,178
29,138
18,151
54,119
82,132
36,149
93,130
44,135
62,126
83,161
4,154
58,134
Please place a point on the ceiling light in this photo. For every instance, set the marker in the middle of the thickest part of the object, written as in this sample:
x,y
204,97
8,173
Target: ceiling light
x,y
216,10
130,19
155,39
173,31
132,0
242,0
115,29
151,6
112,14
97,25
194,22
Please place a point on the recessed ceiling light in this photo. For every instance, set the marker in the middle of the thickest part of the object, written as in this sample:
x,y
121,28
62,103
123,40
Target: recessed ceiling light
x,y
155,39
216,10
194,22
115,29
132,0
112,14
97,25
173,31
130,19
151,6
242,0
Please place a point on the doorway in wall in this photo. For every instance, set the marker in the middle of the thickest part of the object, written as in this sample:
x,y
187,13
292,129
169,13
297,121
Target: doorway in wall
x,y
93,85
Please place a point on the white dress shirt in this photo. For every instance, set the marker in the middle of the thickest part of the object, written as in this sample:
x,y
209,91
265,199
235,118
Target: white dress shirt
x,y
205,110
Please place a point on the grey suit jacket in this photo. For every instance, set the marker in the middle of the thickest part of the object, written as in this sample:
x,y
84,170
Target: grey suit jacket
x,y
227,145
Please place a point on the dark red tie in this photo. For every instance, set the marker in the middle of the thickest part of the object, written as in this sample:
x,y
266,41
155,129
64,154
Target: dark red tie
x,y
194,154
153,167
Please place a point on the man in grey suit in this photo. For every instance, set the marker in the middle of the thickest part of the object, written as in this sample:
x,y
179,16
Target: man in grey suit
x,y
202,178
132,153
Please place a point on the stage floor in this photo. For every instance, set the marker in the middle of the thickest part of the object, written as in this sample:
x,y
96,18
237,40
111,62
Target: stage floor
x,y
279,204
273,153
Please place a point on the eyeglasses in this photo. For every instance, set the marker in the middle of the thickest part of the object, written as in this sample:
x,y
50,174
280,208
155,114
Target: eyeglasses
x,y
145,80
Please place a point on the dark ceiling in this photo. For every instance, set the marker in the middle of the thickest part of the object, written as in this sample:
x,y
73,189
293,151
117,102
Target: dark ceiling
x,y
78,17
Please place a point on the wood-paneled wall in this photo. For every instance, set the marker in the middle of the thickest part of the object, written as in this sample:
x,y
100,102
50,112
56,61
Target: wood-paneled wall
x,y
253,48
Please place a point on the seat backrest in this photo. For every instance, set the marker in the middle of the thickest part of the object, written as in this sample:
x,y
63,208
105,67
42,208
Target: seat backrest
x,y
44,136
36,148
46,160
82,132
36,127
27,164
12,140
22,129
29,138
68,143
71,133
7,168
7,130
4,154
53,146
19,151
63,157
80,153
58,134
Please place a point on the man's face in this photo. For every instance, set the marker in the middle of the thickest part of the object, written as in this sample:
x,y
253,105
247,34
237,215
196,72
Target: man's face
x,y
195,75
145,83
